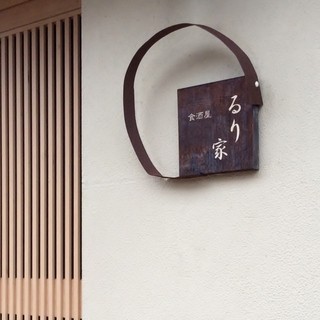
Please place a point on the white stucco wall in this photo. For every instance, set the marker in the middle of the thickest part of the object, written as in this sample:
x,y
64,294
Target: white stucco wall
x,y
237,247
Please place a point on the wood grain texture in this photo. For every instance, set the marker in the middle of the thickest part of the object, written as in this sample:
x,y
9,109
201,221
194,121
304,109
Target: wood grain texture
x,y
33,11
218,129
7,4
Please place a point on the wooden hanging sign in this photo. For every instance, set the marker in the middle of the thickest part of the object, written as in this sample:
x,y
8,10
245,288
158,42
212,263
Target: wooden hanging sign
x,y
218,129
218,122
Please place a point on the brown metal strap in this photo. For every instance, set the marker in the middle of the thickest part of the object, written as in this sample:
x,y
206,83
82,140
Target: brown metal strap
x,y
253,90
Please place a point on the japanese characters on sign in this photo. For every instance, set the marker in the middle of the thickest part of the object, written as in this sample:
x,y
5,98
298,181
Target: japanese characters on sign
x,y
218,129
200,115
220,146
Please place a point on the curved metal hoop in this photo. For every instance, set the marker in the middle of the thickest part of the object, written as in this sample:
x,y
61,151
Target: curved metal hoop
x,y
251,79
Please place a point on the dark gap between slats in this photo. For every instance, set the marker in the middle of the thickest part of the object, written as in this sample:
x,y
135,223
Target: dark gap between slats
x,y
72,141
23,155
63,146
80,132
39,151
46,102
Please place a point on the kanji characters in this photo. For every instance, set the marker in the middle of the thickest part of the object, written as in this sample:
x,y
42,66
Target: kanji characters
x,y
200,115
219,147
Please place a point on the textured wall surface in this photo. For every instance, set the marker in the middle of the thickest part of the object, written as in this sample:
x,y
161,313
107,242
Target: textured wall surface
x,y
238,247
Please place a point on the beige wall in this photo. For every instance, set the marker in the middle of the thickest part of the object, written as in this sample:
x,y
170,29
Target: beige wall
x,y
237,247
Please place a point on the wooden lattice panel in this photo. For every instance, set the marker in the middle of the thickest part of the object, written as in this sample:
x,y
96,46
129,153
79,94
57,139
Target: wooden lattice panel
x,y
40,214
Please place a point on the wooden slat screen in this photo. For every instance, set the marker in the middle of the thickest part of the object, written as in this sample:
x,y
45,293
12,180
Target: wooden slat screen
x,y
40,172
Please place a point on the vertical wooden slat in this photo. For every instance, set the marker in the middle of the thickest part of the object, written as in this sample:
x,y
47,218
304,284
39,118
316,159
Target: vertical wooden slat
x,y
60,168
20,172
27,175
68,166
12,175
5,174
1,40
35,169
43,170
1,276
77,169
51,168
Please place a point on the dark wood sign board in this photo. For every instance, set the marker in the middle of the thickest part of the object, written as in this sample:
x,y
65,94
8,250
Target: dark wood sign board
x,y
218,129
